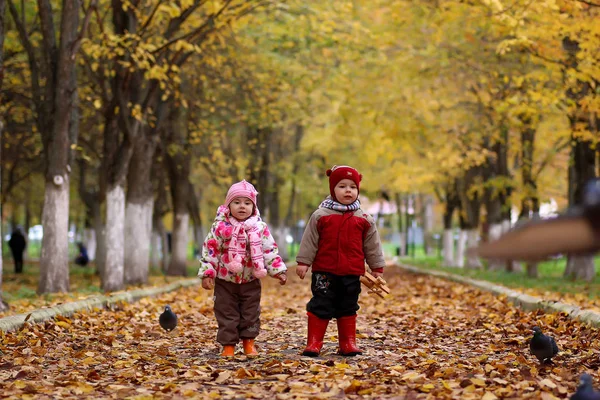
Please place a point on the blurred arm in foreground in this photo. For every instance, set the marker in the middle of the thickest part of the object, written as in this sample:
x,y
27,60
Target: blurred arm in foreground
x,y
577,232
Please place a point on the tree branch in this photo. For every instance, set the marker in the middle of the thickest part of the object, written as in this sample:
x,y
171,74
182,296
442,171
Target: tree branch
x,y
558,147
86,22
208,23
149,19
27,45
589,3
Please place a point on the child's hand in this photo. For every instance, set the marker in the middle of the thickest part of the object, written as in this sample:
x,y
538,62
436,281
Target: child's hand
x,y
208,283
301,270
376,274
282,278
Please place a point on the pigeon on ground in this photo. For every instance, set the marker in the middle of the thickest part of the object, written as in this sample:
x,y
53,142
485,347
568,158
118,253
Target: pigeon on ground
x,y
168,319
585,391
542,346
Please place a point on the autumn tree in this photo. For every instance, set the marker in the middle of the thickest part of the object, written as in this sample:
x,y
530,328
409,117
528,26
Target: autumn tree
x,y
53,89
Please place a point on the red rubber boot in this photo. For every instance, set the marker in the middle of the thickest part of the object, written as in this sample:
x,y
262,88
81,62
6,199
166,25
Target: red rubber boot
x,y
316,333
347,336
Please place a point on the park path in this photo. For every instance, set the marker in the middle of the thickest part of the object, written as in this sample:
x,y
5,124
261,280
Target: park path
x,y
430,339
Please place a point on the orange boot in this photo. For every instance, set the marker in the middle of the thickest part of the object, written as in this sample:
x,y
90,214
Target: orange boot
x,y
347,336
228,350
316,333
249,348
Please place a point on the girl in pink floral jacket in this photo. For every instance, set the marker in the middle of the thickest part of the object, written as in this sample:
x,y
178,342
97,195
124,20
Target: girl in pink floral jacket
x,y
237,252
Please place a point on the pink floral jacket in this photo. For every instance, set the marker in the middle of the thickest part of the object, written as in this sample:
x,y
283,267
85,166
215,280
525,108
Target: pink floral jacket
x,y
215,255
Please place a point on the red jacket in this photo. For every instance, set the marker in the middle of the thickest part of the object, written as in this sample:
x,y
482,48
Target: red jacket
x,y
340,243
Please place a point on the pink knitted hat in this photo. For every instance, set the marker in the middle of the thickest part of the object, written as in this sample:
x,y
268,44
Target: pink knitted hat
x,y
241,189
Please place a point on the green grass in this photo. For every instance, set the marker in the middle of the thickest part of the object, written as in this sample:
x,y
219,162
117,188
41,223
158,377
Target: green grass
x,y
550,276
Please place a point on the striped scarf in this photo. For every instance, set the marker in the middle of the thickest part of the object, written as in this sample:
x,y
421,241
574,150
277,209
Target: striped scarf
x,y
334,205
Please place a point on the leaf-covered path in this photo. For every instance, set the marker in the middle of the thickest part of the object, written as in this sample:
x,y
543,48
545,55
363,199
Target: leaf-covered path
x,y
430,339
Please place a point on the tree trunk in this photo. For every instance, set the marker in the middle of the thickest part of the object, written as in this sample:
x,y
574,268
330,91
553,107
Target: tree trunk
x,y
100,234
494,232
54,260
161,207
428,222
258,165
583,157
298,135
582,268
448,248
89,240
401,238
582,169
3,304
113,273
495,197
471,206
181,218
179,243
138,230
138,214
155,249
461,247
452,202
473,262
58,114
194,209
163,244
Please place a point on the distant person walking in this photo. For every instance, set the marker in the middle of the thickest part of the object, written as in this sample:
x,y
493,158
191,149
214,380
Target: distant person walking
x,y
17,244
82,258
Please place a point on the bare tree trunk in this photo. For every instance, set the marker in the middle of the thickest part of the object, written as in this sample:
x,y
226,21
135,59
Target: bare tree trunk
x,y
428,221
163,244
113,273
401,238
494,232
583,157
181,220
138,229
473,261
461,247
471,205
155,248
89,239
580,267
495,196
448,248
451,202
54,260
100,233
179,243
58,110
259,149
3,304
194,209
138,213
160,209
178,162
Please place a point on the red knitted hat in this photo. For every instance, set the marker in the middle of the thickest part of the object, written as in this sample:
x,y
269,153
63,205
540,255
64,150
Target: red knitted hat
x,y
339,172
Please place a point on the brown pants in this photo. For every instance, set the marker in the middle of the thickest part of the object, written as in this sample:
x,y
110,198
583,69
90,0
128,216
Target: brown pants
x,y
237,308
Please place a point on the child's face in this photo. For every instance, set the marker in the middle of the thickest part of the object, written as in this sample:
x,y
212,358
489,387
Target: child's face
x,y
241,208
346,191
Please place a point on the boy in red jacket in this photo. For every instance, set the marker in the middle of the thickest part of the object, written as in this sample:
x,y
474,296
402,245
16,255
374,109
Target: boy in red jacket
x,y
338,239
